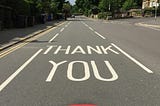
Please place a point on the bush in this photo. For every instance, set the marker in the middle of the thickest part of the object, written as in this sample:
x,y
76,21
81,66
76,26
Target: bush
x,y
149,11
104,15
86,12
100,15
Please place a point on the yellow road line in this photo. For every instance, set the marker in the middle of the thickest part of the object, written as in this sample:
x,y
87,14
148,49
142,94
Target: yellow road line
x,y
12,49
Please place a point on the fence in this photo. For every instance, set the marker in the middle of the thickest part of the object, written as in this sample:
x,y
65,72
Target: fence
x,y
6,17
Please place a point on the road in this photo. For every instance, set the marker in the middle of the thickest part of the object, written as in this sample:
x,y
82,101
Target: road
x,y
83,61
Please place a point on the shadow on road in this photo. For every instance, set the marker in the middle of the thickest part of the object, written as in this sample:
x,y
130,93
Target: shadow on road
x,y
11,35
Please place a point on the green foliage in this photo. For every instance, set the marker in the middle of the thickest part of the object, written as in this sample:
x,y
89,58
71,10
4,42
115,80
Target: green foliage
x,y
104,15
53,7
158,10
85,5
104,5
113,6
151,11
94,10
59,4
74,9
33,7
67,7
129,4
19,6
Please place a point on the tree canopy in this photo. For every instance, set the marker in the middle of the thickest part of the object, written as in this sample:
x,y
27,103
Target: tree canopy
x,y
33,7
107,5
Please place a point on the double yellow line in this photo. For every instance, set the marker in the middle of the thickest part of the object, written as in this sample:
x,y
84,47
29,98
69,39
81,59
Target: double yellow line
x,y
25,42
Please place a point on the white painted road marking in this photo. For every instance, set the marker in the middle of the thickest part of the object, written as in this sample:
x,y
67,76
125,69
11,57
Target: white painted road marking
x,y
99,35
70,71
97,75
134,60
91,29
46,52
80,50
86,70
94,31
69,23
52,72
61,29
66,25
53,38
6,82
154,27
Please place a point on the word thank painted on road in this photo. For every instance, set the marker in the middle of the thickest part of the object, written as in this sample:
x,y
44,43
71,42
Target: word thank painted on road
x,y
80,50
54,49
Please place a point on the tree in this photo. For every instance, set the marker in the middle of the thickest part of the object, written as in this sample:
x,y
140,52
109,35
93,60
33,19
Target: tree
x,y
104,5
86,6
128,4
79,4
74,9
66,9
113,6
19,6
110,5
59,4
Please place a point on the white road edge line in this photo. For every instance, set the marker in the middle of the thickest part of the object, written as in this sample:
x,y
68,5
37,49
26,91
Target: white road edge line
x,y
99,35
134,60
7,81
53,38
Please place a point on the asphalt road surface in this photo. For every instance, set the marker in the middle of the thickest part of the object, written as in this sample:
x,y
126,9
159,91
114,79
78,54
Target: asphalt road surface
x,y
83,61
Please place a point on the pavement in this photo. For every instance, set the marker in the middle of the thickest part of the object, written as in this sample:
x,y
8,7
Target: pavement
x,y
149,22
10,37
153,23
82,61
13,36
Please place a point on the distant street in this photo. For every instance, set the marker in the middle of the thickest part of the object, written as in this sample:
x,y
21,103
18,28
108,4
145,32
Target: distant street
x,y
83,60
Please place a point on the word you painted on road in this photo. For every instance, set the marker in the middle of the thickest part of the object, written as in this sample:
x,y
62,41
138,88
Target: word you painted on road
x,y
80,50
54,49
86,70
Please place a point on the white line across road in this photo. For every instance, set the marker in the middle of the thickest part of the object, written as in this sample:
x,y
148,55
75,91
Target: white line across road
x,y
53,38
134,60
7,81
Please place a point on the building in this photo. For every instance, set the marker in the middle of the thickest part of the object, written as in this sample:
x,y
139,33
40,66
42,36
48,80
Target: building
x,y
150,3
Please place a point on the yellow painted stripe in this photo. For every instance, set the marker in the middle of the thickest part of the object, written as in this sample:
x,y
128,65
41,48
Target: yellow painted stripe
x,y
12,49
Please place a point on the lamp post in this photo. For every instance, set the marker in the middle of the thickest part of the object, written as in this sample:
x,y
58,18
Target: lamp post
x,y
109,7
